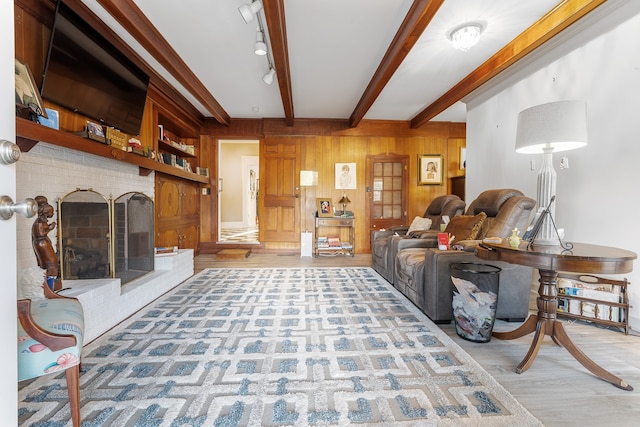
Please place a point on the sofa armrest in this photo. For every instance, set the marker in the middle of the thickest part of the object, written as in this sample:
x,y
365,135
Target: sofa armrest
x,y
404,243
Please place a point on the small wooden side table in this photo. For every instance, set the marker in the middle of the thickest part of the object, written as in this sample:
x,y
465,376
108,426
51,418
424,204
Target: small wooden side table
x,y
582,258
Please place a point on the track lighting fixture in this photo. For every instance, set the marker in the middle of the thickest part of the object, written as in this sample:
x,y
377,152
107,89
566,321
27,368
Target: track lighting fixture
x,y
261,46
249,11
268,77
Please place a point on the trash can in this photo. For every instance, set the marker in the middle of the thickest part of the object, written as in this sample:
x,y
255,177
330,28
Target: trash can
x,y
475,299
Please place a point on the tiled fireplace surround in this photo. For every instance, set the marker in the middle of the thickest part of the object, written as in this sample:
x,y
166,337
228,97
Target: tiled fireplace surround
x,y
53,172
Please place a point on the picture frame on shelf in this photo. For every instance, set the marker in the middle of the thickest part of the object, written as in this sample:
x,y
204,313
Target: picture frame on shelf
x,y
28,100
95,131
430,169
325,207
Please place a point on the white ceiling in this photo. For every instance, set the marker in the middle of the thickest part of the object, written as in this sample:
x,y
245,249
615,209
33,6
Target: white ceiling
x,y
334,48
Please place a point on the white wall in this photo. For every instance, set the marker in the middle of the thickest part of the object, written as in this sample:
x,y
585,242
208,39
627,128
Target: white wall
x,y
597,197
53,172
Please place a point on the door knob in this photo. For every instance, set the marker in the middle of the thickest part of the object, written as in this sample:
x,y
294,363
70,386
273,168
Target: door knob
x,y
9,152
26,207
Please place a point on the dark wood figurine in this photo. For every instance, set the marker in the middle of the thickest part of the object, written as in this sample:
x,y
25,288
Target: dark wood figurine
x,y
42,246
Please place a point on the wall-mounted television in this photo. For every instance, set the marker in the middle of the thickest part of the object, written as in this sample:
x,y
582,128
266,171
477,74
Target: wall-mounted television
x,y
87,74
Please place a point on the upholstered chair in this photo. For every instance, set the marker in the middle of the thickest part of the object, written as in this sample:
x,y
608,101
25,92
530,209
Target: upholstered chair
x,y
382,247
50,334
423,274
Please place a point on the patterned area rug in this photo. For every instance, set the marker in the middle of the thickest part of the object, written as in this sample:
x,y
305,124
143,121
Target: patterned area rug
x,y
277,347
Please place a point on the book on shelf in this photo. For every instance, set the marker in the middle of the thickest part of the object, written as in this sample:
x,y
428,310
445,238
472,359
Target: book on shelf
x,y
165,250
334,241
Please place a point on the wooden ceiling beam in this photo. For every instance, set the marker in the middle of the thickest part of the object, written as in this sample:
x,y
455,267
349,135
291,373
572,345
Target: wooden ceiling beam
x,y
418,18
136,23
277,27
550,25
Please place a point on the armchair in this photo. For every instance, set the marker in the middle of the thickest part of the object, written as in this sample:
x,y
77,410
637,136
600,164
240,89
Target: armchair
x,y
50,333
383,251
423,274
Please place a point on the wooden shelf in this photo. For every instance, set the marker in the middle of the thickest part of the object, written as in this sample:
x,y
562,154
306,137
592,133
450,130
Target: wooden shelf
x,y
165,146
29,134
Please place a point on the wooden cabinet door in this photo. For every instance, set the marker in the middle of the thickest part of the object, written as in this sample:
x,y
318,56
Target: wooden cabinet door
x,y
168,237
168,203
190,236
190,199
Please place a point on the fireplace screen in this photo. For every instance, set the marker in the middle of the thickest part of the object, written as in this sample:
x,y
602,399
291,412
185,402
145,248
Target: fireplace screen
x,y
102,238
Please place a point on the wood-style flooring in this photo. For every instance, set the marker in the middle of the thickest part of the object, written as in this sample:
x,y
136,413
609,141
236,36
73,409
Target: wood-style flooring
x,y
556,389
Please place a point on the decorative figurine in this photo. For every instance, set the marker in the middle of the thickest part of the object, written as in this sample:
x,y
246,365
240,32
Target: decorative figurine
x,y
42,246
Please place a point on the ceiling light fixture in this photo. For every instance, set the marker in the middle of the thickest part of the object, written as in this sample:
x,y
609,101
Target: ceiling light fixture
x,y
268,77
261,46
249,11
466,36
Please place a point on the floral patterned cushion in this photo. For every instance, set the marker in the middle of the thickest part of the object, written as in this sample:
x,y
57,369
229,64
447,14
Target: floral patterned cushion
x,y
57,315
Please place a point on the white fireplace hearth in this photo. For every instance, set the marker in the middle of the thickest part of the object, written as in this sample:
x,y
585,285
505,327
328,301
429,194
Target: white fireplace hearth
x,y
106,302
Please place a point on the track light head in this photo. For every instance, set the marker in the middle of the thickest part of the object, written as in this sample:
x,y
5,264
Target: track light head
x,y
268,77
249,11
260,46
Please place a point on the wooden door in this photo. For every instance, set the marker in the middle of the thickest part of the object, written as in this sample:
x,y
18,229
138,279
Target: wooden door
x,y
280,208
387,186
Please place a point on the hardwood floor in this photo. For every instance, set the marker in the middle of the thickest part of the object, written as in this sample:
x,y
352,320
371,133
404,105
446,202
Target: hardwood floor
x,y
556,389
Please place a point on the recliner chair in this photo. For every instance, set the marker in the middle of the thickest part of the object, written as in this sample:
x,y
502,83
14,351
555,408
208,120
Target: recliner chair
x,y
383,251
423,274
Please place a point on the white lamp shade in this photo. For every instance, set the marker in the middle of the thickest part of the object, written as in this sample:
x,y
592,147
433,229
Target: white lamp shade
x,y
559,125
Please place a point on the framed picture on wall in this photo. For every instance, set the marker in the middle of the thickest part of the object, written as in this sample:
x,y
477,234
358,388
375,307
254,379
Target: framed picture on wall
x,y
325,206
430,169
345,176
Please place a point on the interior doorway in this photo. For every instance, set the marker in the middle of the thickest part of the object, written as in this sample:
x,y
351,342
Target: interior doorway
x,y
238,190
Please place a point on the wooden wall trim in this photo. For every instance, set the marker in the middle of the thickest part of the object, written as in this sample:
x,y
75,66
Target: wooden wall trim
x,y
257,128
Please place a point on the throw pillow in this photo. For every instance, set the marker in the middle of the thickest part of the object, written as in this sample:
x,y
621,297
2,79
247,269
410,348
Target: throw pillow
x,y
30,282
419,223
465,227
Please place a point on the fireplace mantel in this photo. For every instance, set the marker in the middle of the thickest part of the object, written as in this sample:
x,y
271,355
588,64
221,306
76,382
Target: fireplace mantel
x,y
28,134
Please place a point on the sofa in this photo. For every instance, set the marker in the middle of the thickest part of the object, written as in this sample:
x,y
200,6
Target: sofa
x,y
383,252
422,274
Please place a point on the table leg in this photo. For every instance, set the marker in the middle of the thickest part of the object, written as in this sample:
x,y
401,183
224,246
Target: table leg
x,y
545,323
526,328
565,341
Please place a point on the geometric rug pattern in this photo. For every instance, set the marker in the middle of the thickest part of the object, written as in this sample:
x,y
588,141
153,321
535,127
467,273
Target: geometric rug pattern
x,y
277,347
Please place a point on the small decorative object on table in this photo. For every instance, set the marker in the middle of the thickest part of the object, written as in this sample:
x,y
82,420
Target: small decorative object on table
x,y
514,239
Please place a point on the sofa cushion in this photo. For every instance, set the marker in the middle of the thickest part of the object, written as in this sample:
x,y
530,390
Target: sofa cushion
x,y
419,223
465,227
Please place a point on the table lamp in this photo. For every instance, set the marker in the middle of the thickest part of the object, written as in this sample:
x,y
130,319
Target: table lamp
x,y
344,200
548,128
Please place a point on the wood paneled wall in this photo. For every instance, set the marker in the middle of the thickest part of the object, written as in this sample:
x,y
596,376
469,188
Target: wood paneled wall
x,y
327,142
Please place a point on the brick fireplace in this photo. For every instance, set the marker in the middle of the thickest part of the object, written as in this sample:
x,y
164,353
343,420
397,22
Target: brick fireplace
x,y
54,172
